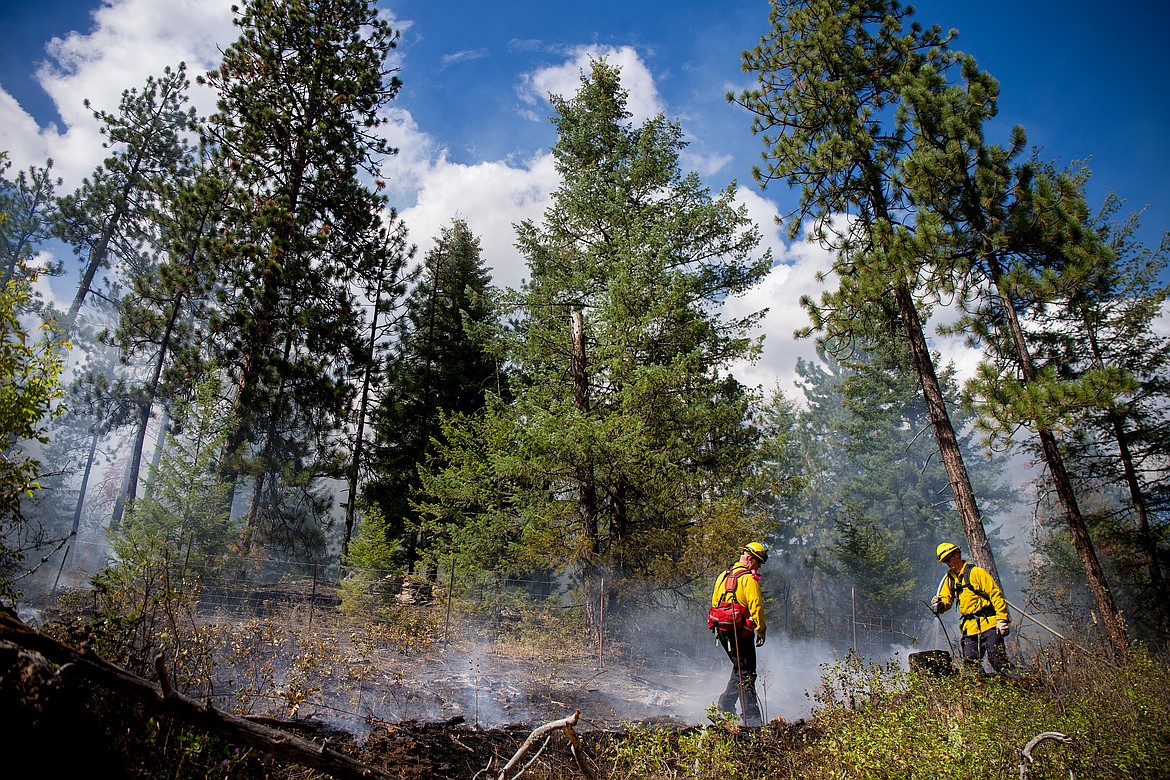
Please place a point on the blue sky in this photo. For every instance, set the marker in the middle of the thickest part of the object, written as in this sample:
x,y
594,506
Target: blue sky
x,y
1085,81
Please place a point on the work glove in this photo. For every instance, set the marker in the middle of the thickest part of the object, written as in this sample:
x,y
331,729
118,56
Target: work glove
x,y
1003,627
759,640
936,606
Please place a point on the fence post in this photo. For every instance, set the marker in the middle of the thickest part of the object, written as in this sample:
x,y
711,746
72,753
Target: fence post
x,y
313,597
601,624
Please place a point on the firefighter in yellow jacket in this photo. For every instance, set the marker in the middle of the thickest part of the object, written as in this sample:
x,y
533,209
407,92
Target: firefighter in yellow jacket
x,y
983,613
741,645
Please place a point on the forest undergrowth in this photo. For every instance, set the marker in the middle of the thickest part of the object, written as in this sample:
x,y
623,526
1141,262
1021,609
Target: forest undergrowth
x,y
870,720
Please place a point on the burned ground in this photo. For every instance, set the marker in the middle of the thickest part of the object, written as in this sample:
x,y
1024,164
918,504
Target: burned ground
x,y
451,751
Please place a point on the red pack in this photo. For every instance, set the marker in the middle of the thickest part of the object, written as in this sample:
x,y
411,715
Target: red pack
x,y
729,614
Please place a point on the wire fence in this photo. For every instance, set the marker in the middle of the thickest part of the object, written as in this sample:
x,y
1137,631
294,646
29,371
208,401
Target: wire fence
x,y
482,604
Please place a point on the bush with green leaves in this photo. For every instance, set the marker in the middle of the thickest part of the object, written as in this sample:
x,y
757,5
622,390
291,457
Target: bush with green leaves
x,y
882,722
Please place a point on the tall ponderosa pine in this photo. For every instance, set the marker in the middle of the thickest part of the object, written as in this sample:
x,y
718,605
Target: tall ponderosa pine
x,y
301,94
383,279
439,364
849,92
161,330
884,124
1068,331
627,446
1125,447
29,206
109,219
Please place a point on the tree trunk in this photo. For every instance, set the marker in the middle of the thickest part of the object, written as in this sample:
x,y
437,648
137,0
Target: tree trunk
x,y
359,438
944,434
1136,494
93,443
1102,596
587,484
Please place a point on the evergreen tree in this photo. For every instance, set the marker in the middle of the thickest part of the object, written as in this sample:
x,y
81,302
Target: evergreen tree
x,y
1027,240
186,513
439,364
851,93
871,509
30,207
163,314
627,447
109,218
301,94
383,285
1083,361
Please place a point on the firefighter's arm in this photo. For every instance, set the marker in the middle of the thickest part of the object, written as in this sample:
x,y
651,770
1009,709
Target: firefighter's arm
x,y
750,596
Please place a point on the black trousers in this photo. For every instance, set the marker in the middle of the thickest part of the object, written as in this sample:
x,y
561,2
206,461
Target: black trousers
x,y
989,643
742,652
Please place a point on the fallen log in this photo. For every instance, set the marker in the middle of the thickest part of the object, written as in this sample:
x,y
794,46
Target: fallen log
x,y
164,699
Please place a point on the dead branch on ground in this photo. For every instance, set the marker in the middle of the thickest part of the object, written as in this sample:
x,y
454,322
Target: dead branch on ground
x,y
164,699
575,745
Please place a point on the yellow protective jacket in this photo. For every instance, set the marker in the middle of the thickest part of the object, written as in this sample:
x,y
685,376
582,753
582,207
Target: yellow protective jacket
x,y
747,592
981,601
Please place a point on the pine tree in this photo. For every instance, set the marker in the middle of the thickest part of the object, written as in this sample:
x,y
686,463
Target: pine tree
x,y
1025,237
626,449
1077,348
186,519
384,280
846,94
29,207
109,219
439,365
301,94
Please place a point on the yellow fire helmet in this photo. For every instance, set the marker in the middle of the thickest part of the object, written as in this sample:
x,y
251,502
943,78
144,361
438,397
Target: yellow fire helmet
x,y
756,550
945,549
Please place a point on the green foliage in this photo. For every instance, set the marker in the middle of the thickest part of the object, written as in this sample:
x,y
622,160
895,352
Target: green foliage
x,y
879,124
867,553
28,206
297,143
652,752
369,566
440,366
30,367
882,723
186,517
624,437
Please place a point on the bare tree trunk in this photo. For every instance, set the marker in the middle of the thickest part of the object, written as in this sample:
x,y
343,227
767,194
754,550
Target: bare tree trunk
x,y
359,437
1082,542
93,442
587,484
1137,496
944,434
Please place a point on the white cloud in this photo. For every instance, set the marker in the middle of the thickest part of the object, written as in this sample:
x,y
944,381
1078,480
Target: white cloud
x,y
794,271
21,135
133,39
565,80
129,41
491,197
